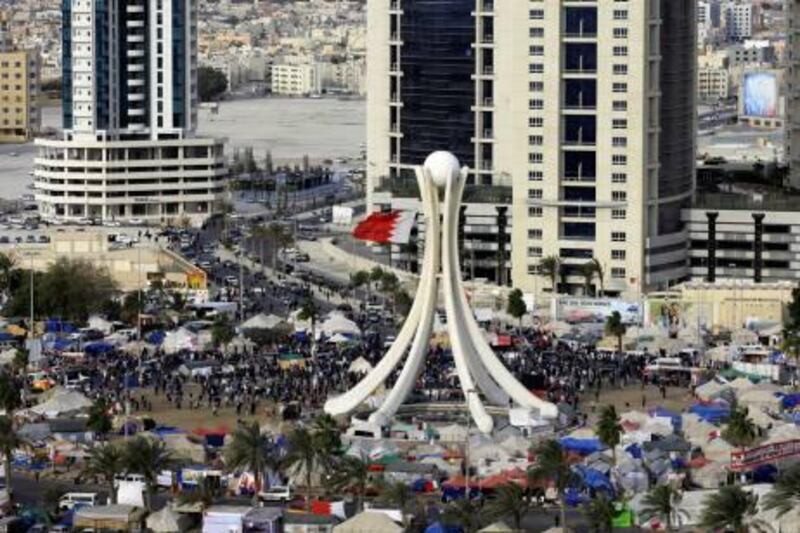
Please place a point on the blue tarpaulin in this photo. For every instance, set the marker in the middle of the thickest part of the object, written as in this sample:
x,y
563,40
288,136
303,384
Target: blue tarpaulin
x,y
635,450
98,348
438,527
581,446
677,420
790,401
6,337
573,498
155,337
62,345
54,325
594,479
711,413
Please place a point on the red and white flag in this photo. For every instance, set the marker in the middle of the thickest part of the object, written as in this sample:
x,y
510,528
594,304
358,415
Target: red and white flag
x,y
386,227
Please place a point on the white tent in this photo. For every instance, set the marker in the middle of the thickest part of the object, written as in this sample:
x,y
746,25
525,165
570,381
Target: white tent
x,y
7,356
711,476
360,366
782,433
452,433
100,324
718,450
167,521
711,390
368,522
62,402
338,323
756,398
181,339
339,339
696,430
760,418
497,527
583,433
262,321
741,384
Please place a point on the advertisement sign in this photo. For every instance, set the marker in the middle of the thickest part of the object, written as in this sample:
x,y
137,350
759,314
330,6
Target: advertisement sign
x,y
760,94
586,310
745,460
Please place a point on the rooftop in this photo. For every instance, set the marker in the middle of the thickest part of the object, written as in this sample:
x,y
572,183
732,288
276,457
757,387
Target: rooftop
x,y
773,201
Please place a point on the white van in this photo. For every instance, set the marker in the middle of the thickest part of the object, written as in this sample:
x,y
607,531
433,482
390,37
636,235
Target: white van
x,y
76,500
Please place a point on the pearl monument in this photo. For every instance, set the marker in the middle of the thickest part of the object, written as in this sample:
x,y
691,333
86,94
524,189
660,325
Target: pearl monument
x,y
477,366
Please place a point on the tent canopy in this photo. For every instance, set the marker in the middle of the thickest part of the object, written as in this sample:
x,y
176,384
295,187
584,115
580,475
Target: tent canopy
x,y
263,321
368,522
168,521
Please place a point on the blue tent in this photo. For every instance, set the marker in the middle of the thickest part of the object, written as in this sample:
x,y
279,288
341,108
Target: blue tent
x,y
711,413
98,348
635,450
581,446
155,337
55,325
594,479
62,345
6,337
438,527
573,498
789,401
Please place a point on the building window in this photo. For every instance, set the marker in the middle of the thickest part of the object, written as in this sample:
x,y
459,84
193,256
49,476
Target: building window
x,y
535,234
536,86
535,194
620,14
619,141
619,177
536,32
618,255
618,273
535,140
620,33
536,122
620,105
619,159
536,104
620,70
536,50
536,68
618,214
534,251
619,123
533,270
536,14
618,236
535,157
620,51
535,212
620,87
535,175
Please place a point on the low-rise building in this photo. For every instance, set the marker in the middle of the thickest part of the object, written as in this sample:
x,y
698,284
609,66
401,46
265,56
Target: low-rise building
x,y
295,80
19,89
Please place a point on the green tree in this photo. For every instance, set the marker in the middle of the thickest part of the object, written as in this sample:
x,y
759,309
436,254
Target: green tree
x,y
466,514
615,327
552,465
740,431
132,307
250,449
10,398
601,277
361,279
304,458
222,331
99,419
599,512
785,493
7,265
69,289
310,312
663,501
510,500
351,474
204,494
731,509
106,462
609,429
399,495
516,305
588,272
20,362
551,267
327,436
9,441
376,275
211,83
148,458
402,302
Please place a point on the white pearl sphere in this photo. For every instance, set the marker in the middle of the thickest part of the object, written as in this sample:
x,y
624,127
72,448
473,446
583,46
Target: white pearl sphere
x,y
443,167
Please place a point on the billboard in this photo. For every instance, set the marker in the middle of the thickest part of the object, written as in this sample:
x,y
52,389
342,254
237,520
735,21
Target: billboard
x,y
595,310
745,460
760,95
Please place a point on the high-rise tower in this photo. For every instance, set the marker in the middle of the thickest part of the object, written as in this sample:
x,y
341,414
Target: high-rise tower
x,y
584,111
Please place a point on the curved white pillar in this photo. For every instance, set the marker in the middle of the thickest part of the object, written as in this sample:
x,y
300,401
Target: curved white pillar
x,y
477,366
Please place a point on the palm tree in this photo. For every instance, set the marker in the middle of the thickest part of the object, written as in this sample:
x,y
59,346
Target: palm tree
x,y
7,264
148,458
204,493
732,509
609,429
9,441
399,495
663,501
376,275
551,267
107,462
326,435
250,449
616,328
600,512
551,465
785,493
303,457
10,398
310,311
587,271
20,362
351,473
465,513
99,420
361,279
601,278
509,500
740,431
